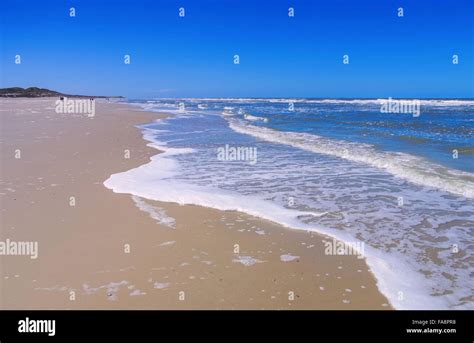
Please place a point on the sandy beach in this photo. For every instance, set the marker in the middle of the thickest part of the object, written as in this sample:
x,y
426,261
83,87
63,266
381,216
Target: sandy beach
x,y
101,250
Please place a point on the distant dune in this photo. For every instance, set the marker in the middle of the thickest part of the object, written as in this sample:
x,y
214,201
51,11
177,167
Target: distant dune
x,y
35,92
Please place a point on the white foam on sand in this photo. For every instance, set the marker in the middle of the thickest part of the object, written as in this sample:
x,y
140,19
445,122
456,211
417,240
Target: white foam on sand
x,y
246,260
111,288
167,243
156,213
161,285
137,292
288,258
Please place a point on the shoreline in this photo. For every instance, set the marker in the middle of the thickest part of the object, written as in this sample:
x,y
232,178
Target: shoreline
x,y
195,257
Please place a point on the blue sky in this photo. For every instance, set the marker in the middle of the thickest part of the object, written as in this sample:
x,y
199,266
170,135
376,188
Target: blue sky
x,y
279,56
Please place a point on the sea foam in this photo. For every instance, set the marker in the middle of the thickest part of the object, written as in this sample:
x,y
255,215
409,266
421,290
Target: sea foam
x,y
409,167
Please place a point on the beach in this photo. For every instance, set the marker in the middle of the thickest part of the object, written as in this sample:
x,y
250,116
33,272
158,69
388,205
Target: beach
x,y
103,250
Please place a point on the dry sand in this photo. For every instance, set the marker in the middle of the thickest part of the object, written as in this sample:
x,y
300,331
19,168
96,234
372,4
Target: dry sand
x,y
83,260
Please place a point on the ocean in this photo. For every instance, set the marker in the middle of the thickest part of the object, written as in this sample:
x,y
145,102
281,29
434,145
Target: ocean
x,y
399,182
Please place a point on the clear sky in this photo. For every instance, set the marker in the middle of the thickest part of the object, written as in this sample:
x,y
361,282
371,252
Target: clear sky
x,y
280,56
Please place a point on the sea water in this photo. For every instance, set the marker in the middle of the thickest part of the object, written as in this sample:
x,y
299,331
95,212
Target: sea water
x,y
401,184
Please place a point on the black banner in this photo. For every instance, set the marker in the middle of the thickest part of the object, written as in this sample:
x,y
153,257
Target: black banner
x,y
447,326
